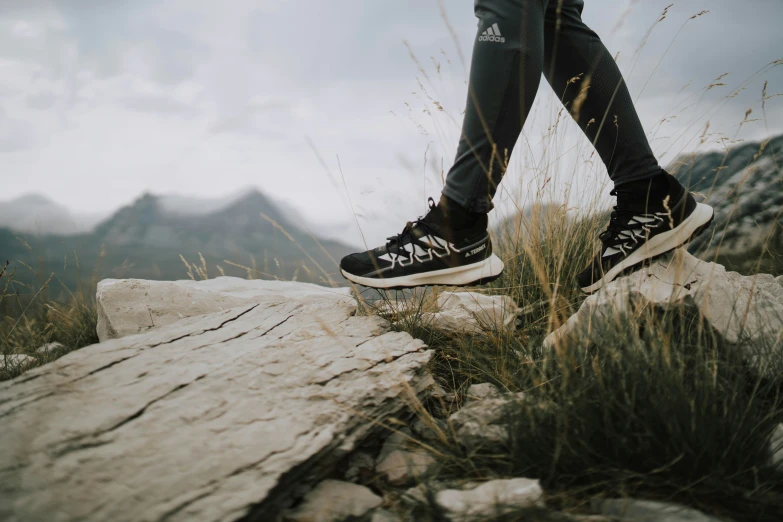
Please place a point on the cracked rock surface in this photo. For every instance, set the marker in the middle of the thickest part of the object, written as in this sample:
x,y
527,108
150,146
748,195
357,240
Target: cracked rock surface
x,y
131,306
215,417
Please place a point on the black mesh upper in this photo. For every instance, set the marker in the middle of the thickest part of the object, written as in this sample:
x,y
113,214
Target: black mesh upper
x,y
678,207
364,263
438,244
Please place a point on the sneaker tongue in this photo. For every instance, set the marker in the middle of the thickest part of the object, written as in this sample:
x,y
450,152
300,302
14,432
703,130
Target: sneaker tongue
x,y
419,232
414,230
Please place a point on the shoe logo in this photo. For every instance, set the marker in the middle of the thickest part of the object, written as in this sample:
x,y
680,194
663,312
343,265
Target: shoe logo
x,y
476,250
492,35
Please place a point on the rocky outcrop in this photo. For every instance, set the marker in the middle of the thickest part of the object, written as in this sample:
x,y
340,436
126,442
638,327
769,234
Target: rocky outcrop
x,y
334,501
745,311
232,414
400,468
479,392
489,500
401,461
131,306
484,424
744,186
471,312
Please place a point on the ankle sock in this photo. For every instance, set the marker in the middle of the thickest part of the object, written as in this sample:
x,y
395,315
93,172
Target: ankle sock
x,y
457,217
640,192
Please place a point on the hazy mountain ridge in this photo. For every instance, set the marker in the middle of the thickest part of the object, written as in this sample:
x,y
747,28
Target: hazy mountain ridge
x,y
146,240
745,187
37,214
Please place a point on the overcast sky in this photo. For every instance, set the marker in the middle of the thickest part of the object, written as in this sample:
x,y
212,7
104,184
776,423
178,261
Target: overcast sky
x,y
101,100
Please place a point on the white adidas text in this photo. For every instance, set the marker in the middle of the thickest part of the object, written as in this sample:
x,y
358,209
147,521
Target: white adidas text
x,y
492,34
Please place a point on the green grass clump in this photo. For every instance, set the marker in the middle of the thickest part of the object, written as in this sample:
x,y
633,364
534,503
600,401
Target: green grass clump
x,y
543,253
654,405
32,319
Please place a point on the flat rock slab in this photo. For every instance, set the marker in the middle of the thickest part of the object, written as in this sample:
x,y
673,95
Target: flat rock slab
x,y
218,417
471,312
131,306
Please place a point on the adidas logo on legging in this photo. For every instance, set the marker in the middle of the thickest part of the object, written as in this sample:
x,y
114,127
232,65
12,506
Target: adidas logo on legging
x,y
492,35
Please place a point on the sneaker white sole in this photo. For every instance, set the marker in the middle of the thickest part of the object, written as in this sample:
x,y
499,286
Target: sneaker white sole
x,y
660,244
475,273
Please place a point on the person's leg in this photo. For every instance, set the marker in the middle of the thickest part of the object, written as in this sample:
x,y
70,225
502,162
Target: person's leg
x,y
606,114
451,244
505,71
654,213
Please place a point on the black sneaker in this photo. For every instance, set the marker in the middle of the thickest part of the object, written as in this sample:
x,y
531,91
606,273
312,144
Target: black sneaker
x,y
427,252
644,230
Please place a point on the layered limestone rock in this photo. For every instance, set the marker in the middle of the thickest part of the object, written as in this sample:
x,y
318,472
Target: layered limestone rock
x,y
232,414
131,306
745,311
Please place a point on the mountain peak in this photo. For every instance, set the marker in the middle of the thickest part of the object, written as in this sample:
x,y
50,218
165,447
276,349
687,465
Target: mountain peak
x,y
147,202
35,213
33,198
188,205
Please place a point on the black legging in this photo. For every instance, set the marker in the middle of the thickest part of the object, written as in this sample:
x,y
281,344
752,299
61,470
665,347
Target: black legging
x,y
517,41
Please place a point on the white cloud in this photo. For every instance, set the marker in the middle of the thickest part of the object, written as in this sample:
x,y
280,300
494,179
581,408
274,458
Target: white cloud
x,y
100,101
